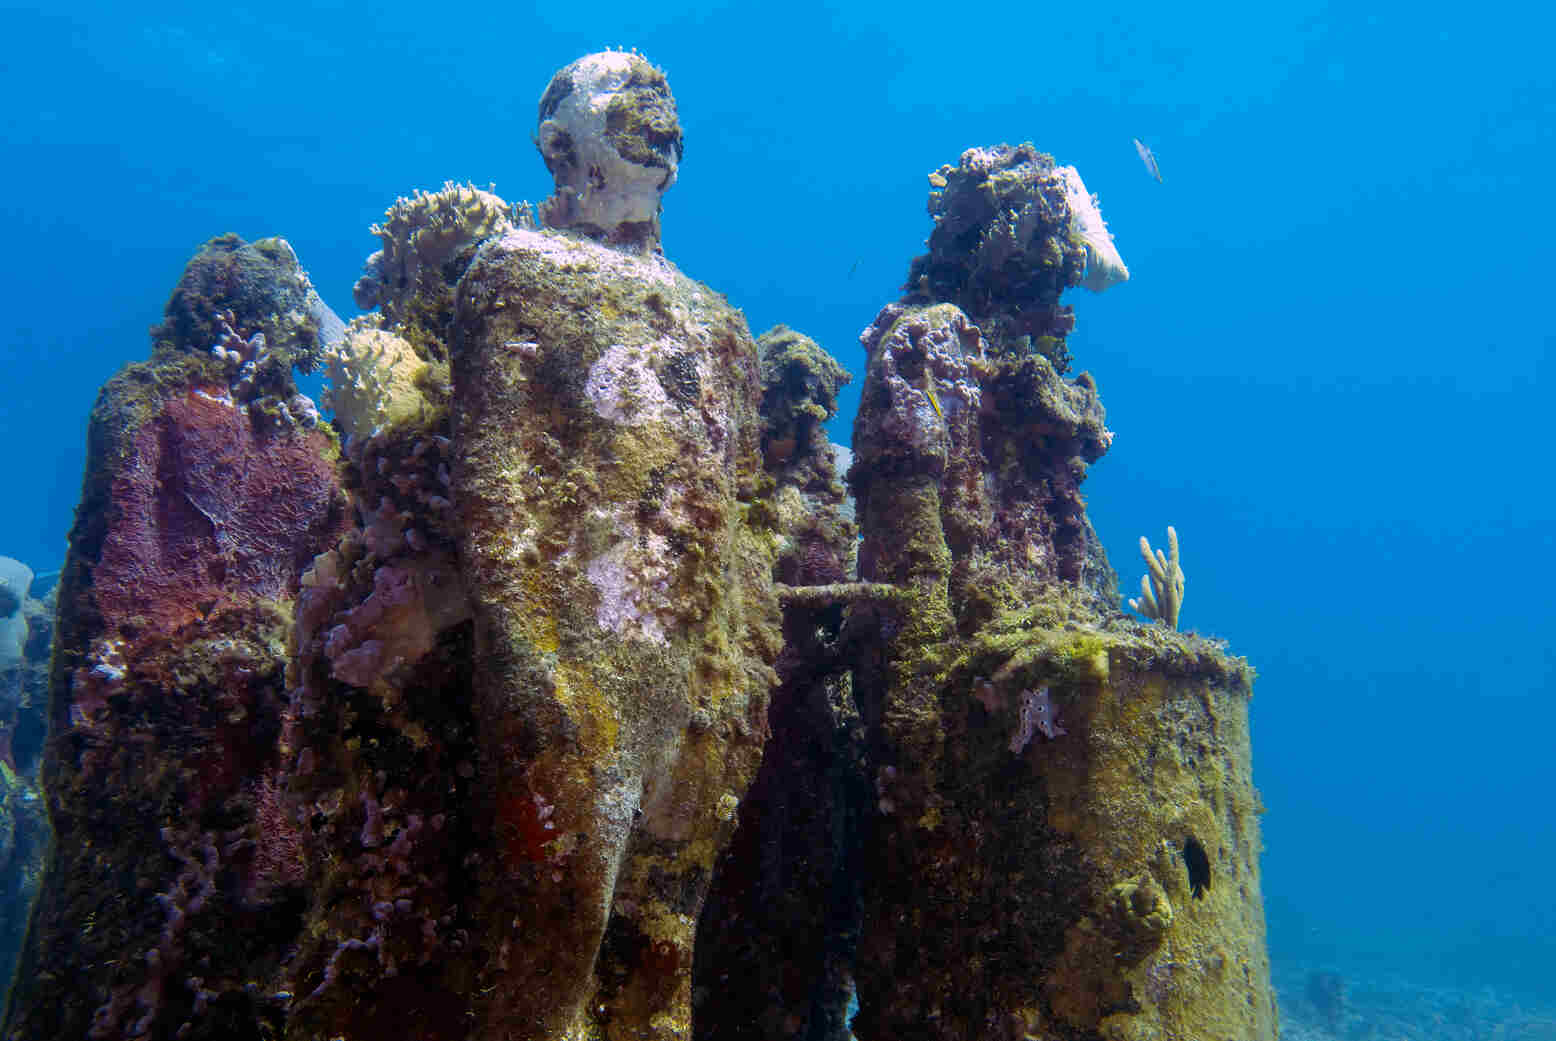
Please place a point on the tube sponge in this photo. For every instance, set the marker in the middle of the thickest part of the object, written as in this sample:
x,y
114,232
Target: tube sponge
x,y
1104,266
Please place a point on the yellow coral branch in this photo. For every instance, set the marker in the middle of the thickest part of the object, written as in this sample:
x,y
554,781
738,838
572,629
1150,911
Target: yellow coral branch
x,y
1161,592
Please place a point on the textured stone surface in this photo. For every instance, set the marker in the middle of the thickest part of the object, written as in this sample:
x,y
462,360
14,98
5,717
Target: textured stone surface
x,y
996,446
1059,876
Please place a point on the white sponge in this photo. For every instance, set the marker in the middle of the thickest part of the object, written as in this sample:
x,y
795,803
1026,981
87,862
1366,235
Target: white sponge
x,y
15,579
1104,267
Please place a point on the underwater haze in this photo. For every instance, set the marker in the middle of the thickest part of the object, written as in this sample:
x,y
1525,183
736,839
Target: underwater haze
x,y
1331,368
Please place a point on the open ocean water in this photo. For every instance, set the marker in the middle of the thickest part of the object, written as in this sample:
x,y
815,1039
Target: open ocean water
x,y
1331,370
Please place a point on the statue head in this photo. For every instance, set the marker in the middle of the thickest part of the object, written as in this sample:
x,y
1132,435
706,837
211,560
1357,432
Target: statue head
x,y
612,141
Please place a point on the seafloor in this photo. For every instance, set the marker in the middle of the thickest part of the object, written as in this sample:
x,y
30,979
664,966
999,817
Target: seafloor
x,y
1320,1004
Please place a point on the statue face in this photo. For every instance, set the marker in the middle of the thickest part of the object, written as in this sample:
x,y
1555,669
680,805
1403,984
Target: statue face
x,y
611,139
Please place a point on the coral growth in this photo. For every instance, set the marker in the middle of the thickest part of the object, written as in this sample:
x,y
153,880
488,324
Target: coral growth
x,y
398,624
373,377
1012,232
264,288
1161,592
210,510
428,239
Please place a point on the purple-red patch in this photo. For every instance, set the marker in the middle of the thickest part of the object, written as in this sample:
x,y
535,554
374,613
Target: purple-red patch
x,y
207,510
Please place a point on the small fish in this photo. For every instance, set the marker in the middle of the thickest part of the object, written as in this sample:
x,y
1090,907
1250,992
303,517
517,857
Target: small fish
x,y
1149,159
929,392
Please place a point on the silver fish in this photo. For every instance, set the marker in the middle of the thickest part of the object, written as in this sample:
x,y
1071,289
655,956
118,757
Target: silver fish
x,y
1149,159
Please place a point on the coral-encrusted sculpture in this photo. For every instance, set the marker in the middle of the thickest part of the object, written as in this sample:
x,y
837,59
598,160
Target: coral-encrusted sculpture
x,y
918,853
449,730
607,484
208,488
970,448
1012,231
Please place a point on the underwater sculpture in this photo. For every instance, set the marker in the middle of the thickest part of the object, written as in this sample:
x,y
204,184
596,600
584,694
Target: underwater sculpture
x,y
554,702
1006,810
209,486
26,630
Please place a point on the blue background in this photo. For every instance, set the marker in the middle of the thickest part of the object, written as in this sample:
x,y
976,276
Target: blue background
x,y
1331,371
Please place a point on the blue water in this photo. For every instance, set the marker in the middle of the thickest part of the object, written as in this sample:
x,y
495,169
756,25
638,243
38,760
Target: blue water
x,y
1331,371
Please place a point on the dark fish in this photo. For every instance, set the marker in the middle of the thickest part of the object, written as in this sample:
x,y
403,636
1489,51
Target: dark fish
x,y
1198,862
1149,159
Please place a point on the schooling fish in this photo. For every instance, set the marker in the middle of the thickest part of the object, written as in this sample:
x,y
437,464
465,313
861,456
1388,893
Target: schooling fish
x,y
1149,159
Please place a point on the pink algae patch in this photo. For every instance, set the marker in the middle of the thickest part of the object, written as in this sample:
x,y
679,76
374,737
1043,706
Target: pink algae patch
x,y
206,510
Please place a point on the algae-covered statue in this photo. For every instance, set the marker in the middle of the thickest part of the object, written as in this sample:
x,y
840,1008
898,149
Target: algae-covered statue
x,y
1033,816
26,629
557,689
444,739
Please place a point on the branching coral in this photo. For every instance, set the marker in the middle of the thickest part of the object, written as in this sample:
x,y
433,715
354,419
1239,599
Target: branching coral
x,y
423,238
257,286
1161,592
